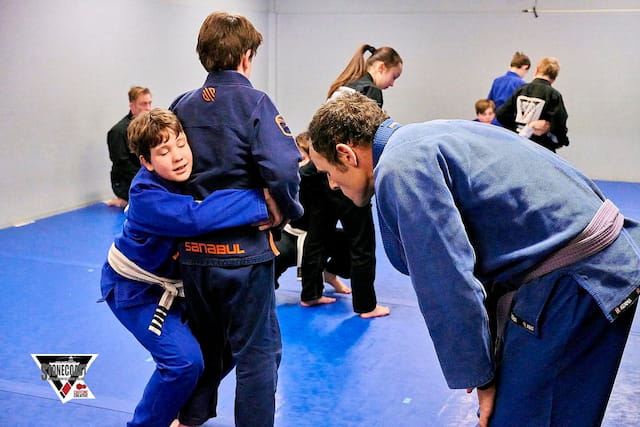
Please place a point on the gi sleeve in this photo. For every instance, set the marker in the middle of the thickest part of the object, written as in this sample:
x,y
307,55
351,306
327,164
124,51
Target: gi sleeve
x,y
157,211
506,114
277,156
557,117
428,240
492,95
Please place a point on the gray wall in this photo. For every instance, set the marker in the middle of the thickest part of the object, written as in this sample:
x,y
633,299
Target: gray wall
x,y
65,68
453,50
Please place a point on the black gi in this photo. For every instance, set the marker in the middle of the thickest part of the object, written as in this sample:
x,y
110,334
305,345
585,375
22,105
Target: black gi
x,y
533,101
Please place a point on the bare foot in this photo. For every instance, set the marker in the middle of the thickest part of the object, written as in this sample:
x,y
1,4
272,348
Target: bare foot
x,y
318,301
338,285
379,311
176,423
117,202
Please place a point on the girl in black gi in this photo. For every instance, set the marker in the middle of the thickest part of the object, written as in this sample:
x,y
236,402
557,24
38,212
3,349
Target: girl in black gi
x,y
369,77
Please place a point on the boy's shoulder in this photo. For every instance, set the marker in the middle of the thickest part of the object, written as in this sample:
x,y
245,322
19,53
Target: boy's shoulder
x,y
212,89
146,180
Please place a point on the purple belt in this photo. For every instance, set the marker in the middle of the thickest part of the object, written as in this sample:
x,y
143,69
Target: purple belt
x,y
602,231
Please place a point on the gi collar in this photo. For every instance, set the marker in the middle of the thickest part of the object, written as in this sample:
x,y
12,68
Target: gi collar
x,y
384,132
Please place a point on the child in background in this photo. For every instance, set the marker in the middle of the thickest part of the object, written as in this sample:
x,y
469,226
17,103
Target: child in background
x,y
535,104
336,257
371,76
486,112
503,87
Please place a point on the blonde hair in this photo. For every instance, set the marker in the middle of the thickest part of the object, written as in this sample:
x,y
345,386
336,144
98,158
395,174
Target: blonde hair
x,y
136,91
549,67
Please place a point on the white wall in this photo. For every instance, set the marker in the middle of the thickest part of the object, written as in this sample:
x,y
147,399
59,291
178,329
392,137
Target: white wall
x,y
66,66
453,50
65,69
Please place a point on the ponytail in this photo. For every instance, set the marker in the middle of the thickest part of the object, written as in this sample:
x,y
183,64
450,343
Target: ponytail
x,y
357,66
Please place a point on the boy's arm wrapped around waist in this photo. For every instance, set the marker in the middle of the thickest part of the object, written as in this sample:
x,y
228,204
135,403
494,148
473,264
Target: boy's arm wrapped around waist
x,y
157,211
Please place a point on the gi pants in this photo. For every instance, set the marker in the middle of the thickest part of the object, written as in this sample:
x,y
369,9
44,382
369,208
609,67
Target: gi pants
x,y
336,256
178,361
357,223
559,360
232,308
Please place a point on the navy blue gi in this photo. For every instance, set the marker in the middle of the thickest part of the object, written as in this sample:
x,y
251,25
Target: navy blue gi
x,y
156,217
239,140
489,205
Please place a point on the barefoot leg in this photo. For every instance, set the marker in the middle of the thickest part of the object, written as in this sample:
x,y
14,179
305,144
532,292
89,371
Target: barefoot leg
x,y
117,202
379,311
318,301
337,284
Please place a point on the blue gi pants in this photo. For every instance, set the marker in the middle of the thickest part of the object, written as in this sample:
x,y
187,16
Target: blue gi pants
x,y
233,308
562,373
178,361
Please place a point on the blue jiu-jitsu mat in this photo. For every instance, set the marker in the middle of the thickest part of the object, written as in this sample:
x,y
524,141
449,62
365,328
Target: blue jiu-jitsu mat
x,y
337,369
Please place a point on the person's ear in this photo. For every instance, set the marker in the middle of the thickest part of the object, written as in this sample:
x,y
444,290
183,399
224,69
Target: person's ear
x,y
244,66
146,164
247,58
347,155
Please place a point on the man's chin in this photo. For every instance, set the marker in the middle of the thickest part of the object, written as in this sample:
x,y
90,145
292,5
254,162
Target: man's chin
x,y
362,201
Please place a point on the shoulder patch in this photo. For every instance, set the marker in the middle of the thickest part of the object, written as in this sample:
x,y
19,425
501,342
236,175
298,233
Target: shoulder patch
x,y
209,94
283,125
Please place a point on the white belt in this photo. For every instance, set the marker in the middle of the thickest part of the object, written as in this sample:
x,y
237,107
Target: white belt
x,y
172,287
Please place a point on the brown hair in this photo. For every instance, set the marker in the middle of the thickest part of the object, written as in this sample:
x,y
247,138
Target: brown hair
x,y
549,67
303,140
483,105
520,59
351,119
224,38
357,66
136,91
150,129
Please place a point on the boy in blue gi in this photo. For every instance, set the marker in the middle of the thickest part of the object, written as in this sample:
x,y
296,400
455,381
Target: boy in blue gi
x,y
567,263
486,112
239,140
141,262
504,86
